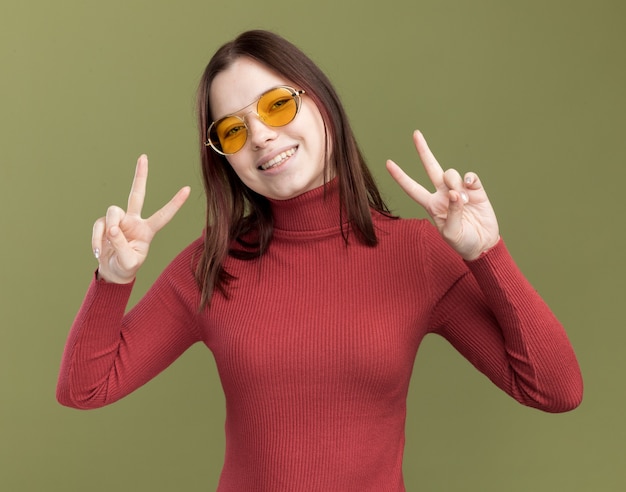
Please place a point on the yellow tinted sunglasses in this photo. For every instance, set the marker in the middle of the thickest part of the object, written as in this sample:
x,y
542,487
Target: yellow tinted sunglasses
x,y
276,107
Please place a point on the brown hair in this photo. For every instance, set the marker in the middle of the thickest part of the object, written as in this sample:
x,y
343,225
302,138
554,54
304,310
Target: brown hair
x,y
234,211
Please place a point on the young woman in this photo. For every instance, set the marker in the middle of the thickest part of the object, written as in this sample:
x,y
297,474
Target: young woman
x,y
311,296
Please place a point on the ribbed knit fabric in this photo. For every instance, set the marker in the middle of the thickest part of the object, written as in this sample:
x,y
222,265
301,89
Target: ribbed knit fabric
x,y
316,344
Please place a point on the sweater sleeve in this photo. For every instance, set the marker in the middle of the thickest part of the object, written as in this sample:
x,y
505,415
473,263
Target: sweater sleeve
x,y
491,314
109,354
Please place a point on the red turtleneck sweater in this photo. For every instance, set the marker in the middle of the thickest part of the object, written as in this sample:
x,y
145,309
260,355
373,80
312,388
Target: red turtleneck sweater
x,y
316,344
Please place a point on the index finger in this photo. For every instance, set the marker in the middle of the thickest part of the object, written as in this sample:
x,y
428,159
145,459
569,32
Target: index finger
x,y
138,188
411,187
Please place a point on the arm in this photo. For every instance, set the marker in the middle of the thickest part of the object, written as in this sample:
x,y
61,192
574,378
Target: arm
x,y
487,309
108,354
496,320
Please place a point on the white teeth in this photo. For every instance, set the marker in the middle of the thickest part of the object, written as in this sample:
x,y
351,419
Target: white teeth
x,y
278,159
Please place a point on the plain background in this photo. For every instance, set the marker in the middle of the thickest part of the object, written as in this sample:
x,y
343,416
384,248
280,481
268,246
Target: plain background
x,y
531,95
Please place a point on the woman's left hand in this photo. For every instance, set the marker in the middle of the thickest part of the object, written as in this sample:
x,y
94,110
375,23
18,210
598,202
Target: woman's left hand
x,y
459,206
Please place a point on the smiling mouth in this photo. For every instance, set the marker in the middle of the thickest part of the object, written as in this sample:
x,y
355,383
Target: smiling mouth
x,y
279,159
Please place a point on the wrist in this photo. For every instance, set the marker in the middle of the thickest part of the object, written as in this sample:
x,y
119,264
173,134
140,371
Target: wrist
x,y
483,252
100,277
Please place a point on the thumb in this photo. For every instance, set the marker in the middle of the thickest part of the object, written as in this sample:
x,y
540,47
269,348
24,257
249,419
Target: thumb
x,y
116,238
453,228
126,255
114,235
123,259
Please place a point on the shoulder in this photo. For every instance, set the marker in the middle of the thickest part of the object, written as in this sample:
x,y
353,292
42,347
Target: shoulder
x,y
190,255
182,269
415,230
420,240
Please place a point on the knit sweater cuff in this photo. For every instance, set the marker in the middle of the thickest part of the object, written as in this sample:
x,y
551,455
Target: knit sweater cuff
x,y
102,295
496,271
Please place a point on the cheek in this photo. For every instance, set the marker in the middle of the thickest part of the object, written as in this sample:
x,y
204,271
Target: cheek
x,y
322,134
237,165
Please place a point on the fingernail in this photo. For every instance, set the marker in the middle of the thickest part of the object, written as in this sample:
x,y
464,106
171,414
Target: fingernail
x,y
96,253
464,197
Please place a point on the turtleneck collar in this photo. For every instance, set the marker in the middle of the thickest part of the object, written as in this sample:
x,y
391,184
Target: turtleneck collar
x,y
315,210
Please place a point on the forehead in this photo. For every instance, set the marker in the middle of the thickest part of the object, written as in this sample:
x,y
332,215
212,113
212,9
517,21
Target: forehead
x,y
241,84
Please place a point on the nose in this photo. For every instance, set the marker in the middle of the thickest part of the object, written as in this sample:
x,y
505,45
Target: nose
x,y
258,132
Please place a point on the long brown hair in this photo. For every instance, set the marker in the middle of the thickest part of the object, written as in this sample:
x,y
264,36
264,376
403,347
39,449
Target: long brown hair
x,y
234,211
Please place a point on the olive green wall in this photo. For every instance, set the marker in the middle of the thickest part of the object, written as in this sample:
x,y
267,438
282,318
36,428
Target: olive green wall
x,y
530,94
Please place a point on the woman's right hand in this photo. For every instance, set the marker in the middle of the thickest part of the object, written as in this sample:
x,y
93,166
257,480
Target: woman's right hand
x,y
121,239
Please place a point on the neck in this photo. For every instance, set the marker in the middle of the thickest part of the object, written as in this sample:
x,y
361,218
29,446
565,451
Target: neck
x,y
317,209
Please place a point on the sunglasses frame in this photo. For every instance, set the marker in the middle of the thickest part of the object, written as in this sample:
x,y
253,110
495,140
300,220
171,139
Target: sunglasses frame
x,y
295,94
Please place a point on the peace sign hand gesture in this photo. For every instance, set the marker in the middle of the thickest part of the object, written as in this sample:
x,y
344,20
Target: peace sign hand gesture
x,y
121,239
459,206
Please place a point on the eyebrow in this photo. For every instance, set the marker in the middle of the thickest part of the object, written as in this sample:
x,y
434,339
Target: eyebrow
x,y
256,99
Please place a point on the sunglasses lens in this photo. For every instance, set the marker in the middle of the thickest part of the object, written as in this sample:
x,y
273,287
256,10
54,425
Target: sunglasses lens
x,y
278,107
228,135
